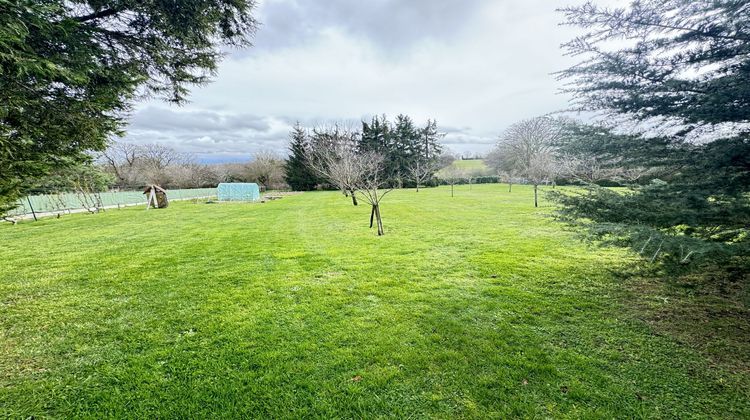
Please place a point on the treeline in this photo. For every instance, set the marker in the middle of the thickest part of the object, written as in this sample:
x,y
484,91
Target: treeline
x,y
547,150
126,166
134,166
411,154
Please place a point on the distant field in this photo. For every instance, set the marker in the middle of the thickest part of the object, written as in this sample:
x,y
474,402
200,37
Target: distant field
x,y
474,166
472,306
470,164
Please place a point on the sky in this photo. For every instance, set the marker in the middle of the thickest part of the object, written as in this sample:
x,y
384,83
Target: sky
x,y
476,66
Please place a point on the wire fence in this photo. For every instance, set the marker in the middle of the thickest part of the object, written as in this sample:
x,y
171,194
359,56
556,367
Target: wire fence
x,y
73,202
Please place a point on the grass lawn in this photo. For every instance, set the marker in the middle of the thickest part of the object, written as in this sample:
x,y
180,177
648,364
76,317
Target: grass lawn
x,y
475,306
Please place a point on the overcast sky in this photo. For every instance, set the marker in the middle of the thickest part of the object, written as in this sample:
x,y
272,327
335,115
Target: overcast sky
x,y
476,66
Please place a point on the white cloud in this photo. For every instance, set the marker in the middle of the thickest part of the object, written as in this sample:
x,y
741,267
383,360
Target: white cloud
x,y
490,66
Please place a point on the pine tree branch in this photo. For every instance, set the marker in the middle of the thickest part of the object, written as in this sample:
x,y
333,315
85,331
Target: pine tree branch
x,y
97,15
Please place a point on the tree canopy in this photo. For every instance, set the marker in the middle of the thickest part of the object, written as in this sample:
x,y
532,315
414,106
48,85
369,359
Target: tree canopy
x,y
70,70
297,171
527,149
403,145
679,69
683,61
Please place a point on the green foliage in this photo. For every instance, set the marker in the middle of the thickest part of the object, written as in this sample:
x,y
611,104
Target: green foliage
x,y
678,62
429,148
70,69
402,143
376,135
279,310
297,171
403,146
685,60
696,210
473,168
83,176
477,167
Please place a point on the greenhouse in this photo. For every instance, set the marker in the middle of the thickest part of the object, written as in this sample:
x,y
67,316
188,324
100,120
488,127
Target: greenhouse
x,y
238,191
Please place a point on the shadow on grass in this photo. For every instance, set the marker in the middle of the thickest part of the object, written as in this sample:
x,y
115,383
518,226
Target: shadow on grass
x,y
708,312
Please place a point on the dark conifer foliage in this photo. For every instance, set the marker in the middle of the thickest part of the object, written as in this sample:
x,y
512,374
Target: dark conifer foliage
x,y
298,173
681,68
70,70
401,143
680,60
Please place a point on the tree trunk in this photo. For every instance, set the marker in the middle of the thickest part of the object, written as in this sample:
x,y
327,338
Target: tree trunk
x,y
536,201
510,186
380,220
354,198
372,215
417,186
451,190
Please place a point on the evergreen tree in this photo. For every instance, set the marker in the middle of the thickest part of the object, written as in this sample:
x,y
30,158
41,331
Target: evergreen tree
x,y
682,63
70,70
379,136
430,148
375,136
298,173
405,146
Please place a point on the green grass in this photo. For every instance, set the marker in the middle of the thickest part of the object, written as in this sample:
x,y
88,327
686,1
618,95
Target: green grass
x,y
475,167
476,306
470,164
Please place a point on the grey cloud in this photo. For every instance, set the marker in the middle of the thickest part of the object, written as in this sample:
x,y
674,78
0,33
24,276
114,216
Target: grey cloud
x,y
476,66
156,118
456,139
454,130
209,135
390,24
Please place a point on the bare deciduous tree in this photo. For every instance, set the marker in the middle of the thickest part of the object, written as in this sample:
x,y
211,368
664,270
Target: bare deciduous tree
x,y
266,168
137,165
156,162
632,174
195,175
500,160
587,169
371,184
446,159
333,156
121,160
541,168
452,175
421,171
526,149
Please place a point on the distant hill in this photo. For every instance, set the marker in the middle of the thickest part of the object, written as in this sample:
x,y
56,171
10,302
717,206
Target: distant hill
x,y
475,167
